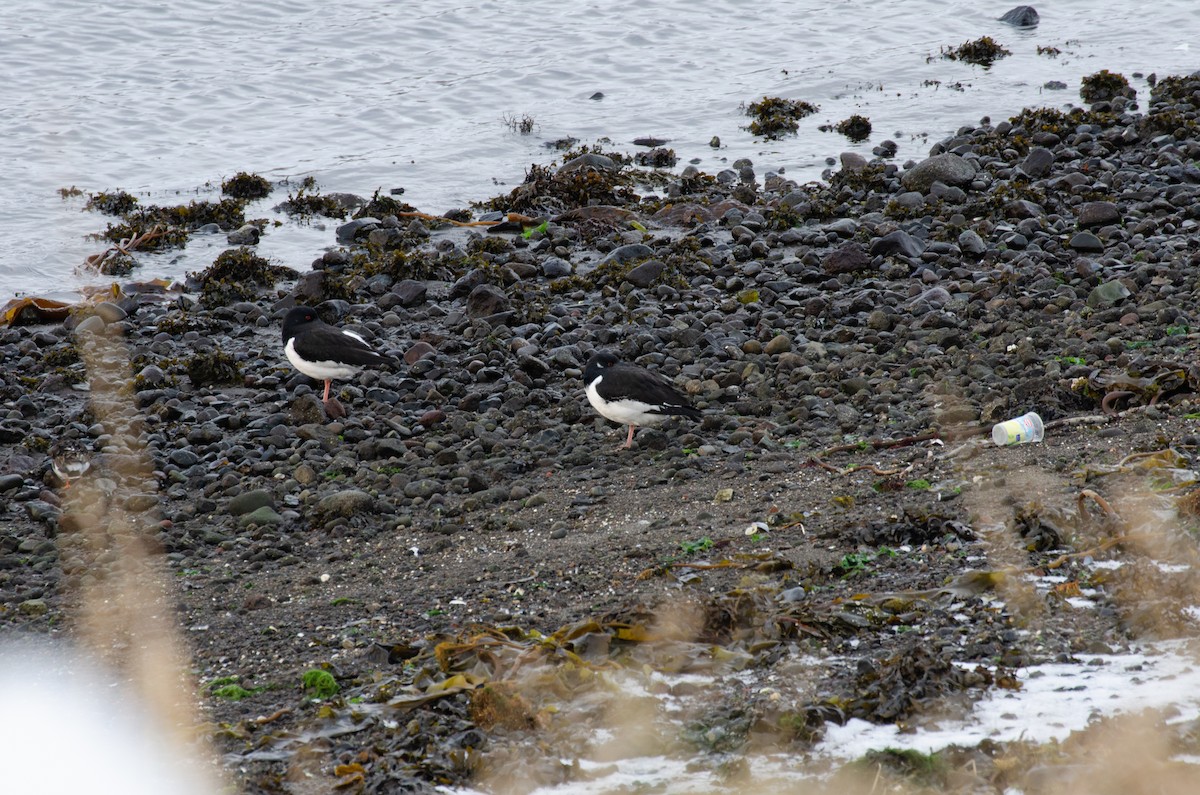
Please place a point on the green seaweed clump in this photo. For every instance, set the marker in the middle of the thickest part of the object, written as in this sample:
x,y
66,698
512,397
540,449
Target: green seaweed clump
x,y
308,200
870,178
1176,90
547,191
227,688
1169,121
660,157
856,128
1104,86
1044,120
401,264
116,203
981,52
569,284
156,228
246,186
141,235
117,263
783,216
319,684
213,367
1034,120
489,245
236,275
905,764
380,206
61,355
775,117
500,704
231,692
226,213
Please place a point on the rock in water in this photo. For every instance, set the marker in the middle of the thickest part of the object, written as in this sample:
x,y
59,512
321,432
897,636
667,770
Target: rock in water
x,y
1021,17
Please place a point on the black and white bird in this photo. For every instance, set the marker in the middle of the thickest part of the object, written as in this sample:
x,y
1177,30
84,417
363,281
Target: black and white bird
x,y
325,352
632,395
70,459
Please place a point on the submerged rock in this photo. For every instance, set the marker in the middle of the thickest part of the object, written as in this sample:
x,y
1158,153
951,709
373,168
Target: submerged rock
x,y
1021,17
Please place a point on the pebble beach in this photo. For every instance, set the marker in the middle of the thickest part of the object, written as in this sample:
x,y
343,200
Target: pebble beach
x,y
850,344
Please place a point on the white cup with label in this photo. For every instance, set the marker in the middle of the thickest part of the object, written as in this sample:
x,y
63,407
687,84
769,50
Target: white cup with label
x,y
1019,430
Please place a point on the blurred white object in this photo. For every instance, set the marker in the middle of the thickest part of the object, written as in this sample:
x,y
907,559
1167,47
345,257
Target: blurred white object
x,y
71,726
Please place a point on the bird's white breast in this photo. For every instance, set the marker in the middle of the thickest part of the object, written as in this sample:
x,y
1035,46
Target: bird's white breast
x,y
624,410
323,370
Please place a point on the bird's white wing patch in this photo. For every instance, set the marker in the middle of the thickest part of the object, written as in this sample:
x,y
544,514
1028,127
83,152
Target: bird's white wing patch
x,y
350,333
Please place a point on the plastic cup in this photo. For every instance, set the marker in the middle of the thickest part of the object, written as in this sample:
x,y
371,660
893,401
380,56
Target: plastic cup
x,y
1026,428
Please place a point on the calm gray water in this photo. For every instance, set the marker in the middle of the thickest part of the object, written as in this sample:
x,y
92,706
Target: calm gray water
x,y
167,99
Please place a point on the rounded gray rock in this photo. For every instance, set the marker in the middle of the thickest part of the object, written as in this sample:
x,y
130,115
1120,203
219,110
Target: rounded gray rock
x,y
947,167
627,253
1038,162
898,242
846,259
1100,213
555,267
260,516
971,243
1086,241
645,274
245,235
92,324
1021,17
486,300
250,501
346,503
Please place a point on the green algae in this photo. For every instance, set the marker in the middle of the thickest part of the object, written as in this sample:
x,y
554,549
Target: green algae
x,y
246,186
775,117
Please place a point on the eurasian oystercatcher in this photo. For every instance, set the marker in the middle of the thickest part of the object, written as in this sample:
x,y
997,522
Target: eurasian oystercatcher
x,y
632,395
70,459
325,352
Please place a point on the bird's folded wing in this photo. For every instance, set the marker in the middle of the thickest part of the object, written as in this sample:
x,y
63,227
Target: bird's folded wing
x,y
645,387
330,344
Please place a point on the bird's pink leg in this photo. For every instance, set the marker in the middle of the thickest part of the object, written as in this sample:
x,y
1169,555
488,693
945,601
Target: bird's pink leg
x,y
628,441
328,383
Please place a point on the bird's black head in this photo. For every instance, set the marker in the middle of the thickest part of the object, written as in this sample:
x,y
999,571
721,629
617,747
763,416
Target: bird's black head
x,y
596,365
295,318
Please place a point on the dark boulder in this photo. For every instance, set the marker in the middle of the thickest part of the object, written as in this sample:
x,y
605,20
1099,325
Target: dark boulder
x,y
1021,17
486,300
846,259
